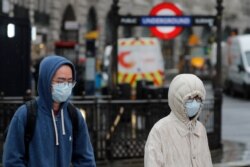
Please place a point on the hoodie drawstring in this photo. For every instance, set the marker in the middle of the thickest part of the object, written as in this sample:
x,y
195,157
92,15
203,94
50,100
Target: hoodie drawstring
x,y
55,127
63,126
54,123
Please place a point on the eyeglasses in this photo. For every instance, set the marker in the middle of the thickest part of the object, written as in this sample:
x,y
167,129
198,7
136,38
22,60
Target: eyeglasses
x,y
196,98
64,83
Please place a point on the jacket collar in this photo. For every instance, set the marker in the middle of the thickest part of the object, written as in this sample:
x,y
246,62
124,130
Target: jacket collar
x,y
183,129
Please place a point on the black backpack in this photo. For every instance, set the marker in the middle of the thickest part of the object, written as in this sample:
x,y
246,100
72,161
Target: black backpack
x,y
31,122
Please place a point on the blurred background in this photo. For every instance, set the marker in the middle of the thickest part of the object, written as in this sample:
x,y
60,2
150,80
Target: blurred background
x,y
124,67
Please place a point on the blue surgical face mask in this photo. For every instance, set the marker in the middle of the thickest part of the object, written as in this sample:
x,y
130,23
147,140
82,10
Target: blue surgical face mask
x,y
61,91
193,107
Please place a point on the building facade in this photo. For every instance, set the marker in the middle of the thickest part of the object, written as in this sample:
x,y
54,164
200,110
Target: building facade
x,y
78,20
69,20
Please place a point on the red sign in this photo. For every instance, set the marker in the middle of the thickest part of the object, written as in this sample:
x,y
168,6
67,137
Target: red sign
x,y
166,9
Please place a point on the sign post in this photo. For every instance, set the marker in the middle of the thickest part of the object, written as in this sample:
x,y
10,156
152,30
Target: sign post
x,y
218,81
114,65
218,41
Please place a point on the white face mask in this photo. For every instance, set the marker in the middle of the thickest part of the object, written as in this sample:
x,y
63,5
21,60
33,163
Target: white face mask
x,y
61,91
192,107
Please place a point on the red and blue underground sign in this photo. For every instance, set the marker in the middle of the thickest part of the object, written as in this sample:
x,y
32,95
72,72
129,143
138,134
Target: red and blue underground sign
x,y
166,20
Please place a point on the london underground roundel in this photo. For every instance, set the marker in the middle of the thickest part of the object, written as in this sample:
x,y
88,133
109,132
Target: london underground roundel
x,y
166,9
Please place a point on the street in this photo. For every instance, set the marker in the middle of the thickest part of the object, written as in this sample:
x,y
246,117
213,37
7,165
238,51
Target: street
x,y
236,119
235,132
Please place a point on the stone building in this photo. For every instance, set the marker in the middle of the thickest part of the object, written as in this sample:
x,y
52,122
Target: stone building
x,y
69,20
57,21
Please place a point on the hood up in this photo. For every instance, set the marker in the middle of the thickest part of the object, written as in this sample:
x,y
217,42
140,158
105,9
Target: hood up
x,y
47,70
183,87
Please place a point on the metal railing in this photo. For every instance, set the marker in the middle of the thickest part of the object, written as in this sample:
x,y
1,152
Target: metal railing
x,y
119,128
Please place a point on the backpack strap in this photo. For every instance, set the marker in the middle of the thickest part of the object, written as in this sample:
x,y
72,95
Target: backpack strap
x,y
30,125
74,118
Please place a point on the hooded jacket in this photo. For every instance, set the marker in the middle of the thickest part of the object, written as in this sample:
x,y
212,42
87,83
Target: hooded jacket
x,y
175,140
52,144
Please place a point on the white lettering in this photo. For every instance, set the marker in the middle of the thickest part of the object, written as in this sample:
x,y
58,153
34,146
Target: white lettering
x,y
208,21
129,20
166,21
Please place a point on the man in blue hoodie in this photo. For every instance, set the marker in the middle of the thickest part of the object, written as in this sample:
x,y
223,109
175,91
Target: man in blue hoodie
x,y
52,143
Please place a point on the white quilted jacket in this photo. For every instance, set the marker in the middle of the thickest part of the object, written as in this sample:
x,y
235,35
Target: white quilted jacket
x,y
175,141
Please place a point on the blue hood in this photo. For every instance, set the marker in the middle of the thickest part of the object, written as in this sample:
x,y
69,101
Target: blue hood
x,y
48,67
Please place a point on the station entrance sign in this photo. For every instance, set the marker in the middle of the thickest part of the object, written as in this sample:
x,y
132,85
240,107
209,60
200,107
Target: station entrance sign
x,y
166,9
166,20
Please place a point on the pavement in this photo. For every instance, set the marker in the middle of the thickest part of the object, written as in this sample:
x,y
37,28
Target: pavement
x,y
233,154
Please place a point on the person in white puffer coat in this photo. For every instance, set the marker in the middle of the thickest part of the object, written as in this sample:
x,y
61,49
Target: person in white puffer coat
x,y
179,139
